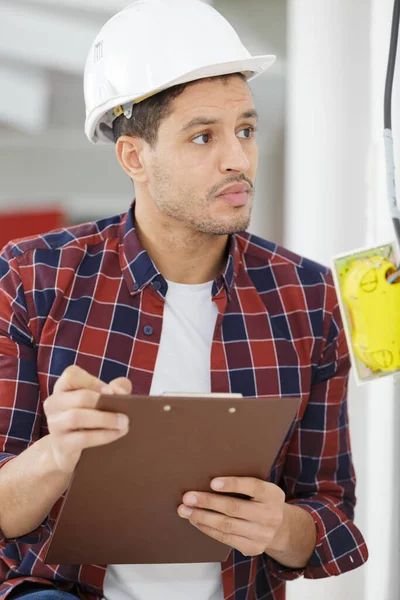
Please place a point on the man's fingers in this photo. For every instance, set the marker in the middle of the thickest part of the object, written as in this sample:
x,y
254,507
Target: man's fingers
x,y
71,400
219,503
121,385
82,418
244,545
73,419
226,525
260,491
246,510
75,378
90,439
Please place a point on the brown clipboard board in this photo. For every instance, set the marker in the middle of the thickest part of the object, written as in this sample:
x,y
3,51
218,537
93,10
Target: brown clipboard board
x,y
121,505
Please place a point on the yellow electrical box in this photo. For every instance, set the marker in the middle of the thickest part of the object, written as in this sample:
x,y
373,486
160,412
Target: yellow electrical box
x,y
370,307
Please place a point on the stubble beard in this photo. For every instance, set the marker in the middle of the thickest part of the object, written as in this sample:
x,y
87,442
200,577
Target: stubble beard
x,y
183,207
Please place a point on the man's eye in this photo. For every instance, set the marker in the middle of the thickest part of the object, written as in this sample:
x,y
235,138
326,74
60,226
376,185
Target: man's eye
x,y
202,139
248,133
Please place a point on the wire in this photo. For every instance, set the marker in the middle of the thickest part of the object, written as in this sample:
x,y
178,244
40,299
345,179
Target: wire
x,y
391,65
387,116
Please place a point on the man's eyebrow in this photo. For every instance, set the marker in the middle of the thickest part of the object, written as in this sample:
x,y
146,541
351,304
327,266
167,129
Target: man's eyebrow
x,y
250,114
199,121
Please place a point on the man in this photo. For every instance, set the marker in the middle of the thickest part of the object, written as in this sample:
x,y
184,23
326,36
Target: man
x,y
173,296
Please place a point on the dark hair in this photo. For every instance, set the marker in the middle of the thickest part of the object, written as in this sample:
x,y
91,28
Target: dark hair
x,y
148,114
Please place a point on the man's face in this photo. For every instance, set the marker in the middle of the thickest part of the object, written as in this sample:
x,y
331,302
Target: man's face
x,y
205,145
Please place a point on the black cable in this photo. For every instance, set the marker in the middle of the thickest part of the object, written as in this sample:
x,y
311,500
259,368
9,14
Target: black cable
x,y
391,65
387,117
396,224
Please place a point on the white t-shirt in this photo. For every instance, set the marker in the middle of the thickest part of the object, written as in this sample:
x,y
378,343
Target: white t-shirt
x,y
183,365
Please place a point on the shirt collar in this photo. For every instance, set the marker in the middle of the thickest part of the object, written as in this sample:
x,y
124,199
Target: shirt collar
x,y
139,270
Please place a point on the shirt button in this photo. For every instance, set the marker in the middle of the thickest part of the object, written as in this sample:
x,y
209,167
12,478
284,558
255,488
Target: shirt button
x,y
148,330
156,285
135,287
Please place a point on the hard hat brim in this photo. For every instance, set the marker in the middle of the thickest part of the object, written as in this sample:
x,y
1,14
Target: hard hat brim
x,y
250,67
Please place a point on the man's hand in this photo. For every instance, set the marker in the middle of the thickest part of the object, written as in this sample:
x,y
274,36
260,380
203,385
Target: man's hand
x,y
265,523
73,421
250,526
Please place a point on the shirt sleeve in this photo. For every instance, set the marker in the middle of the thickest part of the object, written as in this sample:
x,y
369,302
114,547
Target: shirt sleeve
x,y
318,474
20,412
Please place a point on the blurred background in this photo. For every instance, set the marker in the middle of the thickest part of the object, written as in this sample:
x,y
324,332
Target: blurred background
x,y
321,186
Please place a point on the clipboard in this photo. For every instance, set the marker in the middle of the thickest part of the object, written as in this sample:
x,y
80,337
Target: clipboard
x,y
121,505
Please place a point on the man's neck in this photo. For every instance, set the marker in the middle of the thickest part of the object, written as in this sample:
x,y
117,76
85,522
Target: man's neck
x,y
180,254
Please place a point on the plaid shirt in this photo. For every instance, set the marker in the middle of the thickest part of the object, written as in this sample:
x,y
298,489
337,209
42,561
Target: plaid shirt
x,y
90,295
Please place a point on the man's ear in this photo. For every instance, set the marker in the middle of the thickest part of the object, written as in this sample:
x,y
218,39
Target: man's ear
x,y
131,156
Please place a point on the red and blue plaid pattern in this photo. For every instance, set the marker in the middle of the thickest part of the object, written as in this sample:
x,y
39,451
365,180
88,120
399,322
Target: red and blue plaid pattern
x,y
90,295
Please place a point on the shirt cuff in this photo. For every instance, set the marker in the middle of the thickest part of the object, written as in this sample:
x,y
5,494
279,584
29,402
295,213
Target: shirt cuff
x,y
340,546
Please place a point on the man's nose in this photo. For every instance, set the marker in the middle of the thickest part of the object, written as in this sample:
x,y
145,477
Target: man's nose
x,y
234,157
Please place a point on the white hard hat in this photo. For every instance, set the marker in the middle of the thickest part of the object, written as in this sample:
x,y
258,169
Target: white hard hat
x,y
152,45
